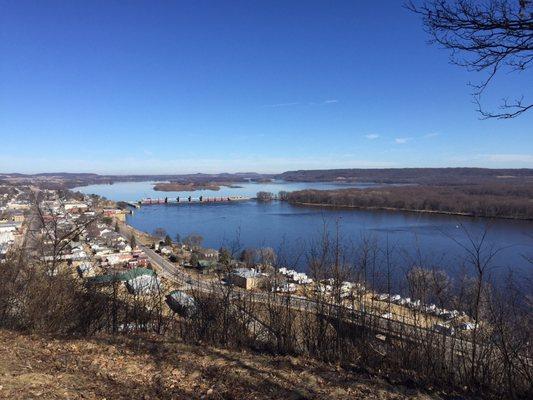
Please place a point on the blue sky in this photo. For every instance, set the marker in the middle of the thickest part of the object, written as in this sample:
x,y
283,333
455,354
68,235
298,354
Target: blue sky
x,y
213,86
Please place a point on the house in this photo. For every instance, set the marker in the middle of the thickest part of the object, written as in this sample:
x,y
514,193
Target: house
x,y
102,251
246,278
207,266
118,258
78,255
466,326
120,277
17,216
15,205
75,207
181,303
285,288
10,227
210,254
123,247
115,213
4,247
6,237
167,250
144,284
139,259
444,329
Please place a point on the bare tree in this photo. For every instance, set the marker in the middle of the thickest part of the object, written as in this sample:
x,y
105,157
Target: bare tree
x,y
266,256
248,256
160,233
483,36
49,236
193,241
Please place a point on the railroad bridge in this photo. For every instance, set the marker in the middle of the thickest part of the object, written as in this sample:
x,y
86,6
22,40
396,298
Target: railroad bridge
x,y
190,199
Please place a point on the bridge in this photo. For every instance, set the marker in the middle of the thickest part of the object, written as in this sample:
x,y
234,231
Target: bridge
x,y
189,199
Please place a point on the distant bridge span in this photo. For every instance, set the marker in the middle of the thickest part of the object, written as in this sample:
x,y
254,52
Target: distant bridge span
x,y
189,199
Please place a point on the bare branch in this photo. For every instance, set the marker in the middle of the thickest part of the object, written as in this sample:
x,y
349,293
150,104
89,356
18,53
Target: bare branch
x,y
483,36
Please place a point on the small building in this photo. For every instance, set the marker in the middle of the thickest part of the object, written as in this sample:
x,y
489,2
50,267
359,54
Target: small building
x,y
120,276
207,266
118,258
79,255
210,254
115,213
75,206
14,205
285,288
17,216
246,278
181,303
167,250
143,284
4,247
10,227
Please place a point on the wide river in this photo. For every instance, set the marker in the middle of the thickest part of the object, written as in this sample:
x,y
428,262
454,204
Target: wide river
x,y
413,238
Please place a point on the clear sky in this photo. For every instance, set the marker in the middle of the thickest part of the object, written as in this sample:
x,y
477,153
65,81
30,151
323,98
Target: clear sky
x,y
215,86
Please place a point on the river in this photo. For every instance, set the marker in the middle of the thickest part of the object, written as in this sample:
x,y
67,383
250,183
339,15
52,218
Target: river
x,y
413,238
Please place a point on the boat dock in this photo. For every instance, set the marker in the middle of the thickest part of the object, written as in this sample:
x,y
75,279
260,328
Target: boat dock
x,y
189,199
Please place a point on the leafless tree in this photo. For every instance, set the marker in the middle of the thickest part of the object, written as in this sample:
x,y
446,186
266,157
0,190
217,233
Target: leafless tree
x,y
266,256
193,241
160,233
483,36
49,237
248,256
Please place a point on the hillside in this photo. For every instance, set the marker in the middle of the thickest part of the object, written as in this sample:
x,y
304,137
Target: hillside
x,y
149,368
420,176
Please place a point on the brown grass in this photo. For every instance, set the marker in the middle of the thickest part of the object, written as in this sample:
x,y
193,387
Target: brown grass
x,y
148,367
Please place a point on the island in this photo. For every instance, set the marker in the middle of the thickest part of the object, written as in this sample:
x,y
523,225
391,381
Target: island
x,y
192,186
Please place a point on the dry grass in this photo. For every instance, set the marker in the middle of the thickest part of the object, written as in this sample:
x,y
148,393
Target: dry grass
x,y
35,367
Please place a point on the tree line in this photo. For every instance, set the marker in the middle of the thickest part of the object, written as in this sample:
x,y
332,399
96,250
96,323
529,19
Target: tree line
x,y
483,200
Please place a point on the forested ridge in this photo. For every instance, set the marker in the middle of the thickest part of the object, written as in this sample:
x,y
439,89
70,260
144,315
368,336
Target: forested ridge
x,y
427,176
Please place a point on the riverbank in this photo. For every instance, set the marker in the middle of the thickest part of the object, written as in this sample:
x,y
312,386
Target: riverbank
x,y
508,201
368,208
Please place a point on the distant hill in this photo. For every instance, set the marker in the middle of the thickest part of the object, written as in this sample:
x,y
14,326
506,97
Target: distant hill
x,y
65,180
421,176
430,176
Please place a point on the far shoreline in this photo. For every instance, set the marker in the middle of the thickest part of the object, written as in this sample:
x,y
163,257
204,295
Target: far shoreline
x,y
449,213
